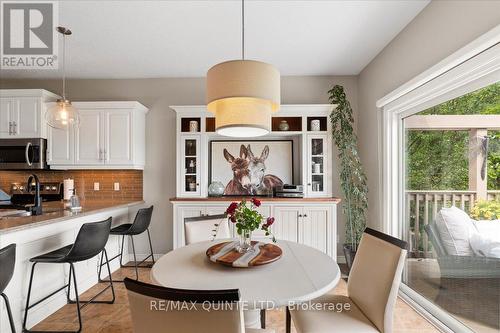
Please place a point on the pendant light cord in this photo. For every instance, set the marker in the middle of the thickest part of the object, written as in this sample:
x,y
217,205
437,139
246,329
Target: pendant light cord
x,y
243,29
64,68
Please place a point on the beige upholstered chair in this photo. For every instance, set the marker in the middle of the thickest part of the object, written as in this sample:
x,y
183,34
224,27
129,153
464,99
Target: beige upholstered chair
x,y
372,288
157,309
199,229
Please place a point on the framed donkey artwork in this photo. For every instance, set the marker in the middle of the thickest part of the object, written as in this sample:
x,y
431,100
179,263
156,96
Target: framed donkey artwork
x,y
251,167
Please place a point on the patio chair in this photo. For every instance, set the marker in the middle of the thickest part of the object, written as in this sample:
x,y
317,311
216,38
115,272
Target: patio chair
x,y
455,266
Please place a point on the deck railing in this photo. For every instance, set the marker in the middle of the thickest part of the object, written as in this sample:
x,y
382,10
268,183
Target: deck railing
x,y
422,208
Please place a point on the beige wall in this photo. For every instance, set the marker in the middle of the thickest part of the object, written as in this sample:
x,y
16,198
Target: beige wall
x,y
158,94
440,29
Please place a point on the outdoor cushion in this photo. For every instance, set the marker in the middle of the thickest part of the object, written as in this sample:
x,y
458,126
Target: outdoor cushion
x,y
455,229
486,242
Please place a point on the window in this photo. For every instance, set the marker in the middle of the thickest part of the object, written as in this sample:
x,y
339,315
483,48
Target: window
x,y
451,160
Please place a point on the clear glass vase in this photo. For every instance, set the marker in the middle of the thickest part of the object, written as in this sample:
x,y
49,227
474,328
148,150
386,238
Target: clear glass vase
x,y
245,244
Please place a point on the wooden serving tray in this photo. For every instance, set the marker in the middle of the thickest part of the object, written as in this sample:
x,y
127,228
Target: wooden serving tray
x,y
226,254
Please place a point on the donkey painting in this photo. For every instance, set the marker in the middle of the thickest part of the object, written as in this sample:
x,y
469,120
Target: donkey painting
x,y
240,184
260,183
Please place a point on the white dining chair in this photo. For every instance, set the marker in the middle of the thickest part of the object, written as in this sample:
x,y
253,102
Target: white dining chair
x,y
372,287
156,309
200,228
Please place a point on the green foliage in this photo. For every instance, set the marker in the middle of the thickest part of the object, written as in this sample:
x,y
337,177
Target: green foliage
x,y
438,160
486,210
352,175
247,219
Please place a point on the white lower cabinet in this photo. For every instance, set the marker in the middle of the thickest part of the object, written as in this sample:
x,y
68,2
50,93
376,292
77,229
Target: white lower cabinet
x,y
314,228
286,225
312,224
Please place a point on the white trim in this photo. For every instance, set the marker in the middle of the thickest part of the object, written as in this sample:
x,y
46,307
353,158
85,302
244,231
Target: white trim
x,y
453,122
469,51
111,105
427,309
480,71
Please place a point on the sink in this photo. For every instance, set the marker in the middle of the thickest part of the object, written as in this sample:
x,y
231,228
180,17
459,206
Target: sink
x,y
7,214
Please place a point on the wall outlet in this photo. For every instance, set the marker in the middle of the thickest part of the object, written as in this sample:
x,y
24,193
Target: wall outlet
x,y
116,186
96,186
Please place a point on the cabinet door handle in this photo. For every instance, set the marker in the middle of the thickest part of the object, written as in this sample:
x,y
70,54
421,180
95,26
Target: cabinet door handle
x,y
308,184
300,215
10,127
305,215
15,128
100,154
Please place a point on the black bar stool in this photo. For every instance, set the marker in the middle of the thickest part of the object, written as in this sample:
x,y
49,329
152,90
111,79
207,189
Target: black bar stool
x,y
141,223
7,263
90,241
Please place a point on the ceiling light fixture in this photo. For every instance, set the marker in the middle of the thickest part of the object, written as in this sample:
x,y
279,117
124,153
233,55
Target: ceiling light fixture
x,y
243,93
63,114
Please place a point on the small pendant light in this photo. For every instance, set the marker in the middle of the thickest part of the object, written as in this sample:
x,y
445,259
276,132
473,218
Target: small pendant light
x,y
63,115
243,93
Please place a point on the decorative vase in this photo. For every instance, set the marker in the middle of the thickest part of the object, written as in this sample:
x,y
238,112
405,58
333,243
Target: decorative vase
x,y
349,254
193,126
284,126
315,125
216,189
245,244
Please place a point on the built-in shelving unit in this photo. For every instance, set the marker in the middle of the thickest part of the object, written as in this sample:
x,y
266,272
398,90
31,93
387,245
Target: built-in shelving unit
x,y
312,148
311,221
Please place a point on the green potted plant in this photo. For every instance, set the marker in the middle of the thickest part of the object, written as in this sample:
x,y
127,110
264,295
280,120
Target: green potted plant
x,y
352,175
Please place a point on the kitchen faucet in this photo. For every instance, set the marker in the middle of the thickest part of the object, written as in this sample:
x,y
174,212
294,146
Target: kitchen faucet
x,y
36,209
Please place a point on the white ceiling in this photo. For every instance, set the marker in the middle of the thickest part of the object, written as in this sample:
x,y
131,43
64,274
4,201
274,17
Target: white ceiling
x,y
146,39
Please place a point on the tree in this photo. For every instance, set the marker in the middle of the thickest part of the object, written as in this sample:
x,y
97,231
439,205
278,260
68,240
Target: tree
x,y
438,160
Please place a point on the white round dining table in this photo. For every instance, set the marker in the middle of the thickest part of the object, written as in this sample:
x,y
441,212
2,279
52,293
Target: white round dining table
x,y
300,275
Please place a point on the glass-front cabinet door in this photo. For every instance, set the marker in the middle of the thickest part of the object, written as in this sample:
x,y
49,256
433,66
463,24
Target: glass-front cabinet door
x,y
191,170
317,158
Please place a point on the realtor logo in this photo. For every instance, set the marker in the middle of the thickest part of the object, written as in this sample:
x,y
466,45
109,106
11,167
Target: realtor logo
x,y
28,36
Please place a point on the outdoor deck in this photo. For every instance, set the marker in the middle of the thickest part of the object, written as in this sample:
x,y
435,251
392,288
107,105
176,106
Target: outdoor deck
x,y
422,208
474,302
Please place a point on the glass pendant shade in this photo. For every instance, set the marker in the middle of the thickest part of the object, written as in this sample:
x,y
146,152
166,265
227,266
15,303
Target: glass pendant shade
x,y
243,94
62,115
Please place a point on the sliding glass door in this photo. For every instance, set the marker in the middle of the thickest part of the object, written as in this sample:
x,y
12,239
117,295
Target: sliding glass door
x,y
451,207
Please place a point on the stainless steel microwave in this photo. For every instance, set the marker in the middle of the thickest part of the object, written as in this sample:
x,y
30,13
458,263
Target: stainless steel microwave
x,y
23,154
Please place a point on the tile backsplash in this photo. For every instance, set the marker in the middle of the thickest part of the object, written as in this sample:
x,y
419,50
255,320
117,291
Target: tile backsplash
x,y
130,182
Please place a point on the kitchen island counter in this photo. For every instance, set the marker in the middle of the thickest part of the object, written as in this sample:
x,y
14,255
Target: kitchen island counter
x,y
54,212
54,229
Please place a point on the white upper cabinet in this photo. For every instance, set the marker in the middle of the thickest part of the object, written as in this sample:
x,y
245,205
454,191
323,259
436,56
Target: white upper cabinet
x,y
60,146
307,126
89,139
22,113
118,137
111,135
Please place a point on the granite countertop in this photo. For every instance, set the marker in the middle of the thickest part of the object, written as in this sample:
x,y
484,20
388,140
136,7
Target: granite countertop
x,y
55,212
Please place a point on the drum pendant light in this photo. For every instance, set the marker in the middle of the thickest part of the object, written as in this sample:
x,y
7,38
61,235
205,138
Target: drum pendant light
x,y
242,94
63,115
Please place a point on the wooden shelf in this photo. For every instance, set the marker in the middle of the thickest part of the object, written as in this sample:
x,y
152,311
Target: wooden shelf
x,y
209,124
263,199
295,124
